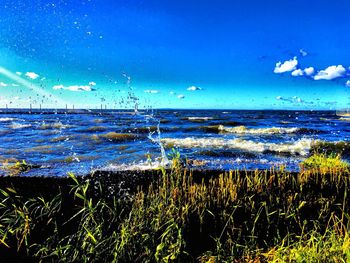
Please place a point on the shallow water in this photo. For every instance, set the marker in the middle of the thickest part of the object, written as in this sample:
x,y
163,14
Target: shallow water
x,y
217,139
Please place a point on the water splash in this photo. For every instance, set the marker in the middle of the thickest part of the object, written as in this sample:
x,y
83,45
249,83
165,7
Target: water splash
x,y
133,101
157,140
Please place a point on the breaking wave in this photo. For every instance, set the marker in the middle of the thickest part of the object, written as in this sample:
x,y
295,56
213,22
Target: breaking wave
x,y
6,119
141,166
17,126
299,147
272,130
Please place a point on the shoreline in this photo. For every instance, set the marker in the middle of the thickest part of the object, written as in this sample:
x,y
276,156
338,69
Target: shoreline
x,y
119,181
139,215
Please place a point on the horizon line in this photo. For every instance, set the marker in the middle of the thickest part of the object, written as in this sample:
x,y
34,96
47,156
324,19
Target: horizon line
x,y
2,110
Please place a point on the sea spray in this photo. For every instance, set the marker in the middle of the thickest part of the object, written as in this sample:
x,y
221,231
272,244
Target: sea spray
x,y
157,140
300,147
134,101
244,130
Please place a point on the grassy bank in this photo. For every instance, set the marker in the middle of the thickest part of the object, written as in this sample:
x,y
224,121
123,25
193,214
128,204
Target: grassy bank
x,y
258,216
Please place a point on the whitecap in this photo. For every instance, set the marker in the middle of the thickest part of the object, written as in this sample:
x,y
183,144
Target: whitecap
x,y
199,118
299,147
245,130
16,126
141,166
6,119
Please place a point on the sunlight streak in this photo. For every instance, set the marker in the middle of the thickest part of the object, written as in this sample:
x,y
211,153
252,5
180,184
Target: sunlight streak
x,y
31,86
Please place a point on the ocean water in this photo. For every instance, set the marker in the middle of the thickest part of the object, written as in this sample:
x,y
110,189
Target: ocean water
x,y
85,140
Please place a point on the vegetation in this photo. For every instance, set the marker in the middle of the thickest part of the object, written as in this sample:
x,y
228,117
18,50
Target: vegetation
x,y
260,216
341,148
18,167
325,163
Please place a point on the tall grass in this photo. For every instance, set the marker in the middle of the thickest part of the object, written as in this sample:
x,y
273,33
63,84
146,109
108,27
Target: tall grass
x,y
183,217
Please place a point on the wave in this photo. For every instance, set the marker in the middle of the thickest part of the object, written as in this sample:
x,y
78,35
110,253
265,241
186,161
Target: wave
x,y
197,119
7,119
272,130
299,147
56,125
19,126
141,166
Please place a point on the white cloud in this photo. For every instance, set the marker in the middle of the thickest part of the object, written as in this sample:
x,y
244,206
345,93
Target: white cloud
x,y
18,73
29,85
347,84
72,88
194,88
92,83
330,73
151,91
294,99
309,71
180,96
303,52
306,72
172,93
31,75
297,73
14,85
2,84
286,66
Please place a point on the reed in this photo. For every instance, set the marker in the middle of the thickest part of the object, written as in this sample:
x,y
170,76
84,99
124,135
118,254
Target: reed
x,y
252,216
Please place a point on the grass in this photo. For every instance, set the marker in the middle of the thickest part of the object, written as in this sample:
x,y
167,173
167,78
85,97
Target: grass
x,y
239,216
342,148
18,167
325,162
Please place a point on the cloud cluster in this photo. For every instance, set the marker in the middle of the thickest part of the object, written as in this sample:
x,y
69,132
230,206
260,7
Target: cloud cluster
x,y
332,72
297,72
180,96
309,71
2,84
303,72
347,84
31,75
73,88
329,73
286,66
294,99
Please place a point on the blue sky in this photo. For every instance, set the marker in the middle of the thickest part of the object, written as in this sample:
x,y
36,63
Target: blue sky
x,y
175,54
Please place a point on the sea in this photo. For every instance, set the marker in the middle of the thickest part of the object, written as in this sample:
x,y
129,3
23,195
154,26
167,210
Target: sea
x,y
56,142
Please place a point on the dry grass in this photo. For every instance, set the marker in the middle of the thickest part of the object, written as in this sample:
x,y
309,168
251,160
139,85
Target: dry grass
x,y
239,216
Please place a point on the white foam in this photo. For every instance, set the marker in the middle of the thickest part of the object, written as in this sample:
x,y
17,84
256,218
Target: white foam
x,y
6,119
142,166
301,146
199,118
16,126
245,130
